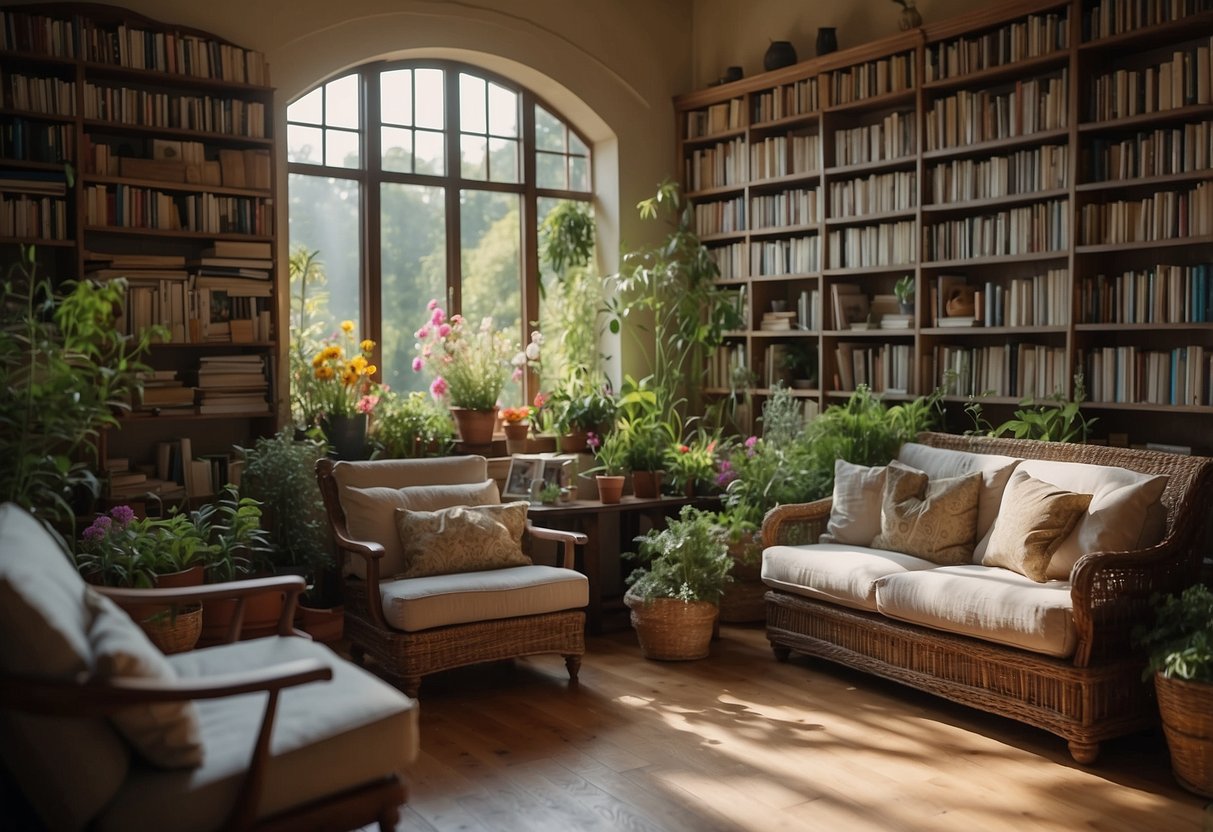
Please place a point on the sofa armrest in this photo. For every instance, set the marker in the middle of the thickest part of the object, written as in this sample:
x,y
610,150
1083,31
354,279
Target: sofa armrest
x,y
567,541
371,553
796,523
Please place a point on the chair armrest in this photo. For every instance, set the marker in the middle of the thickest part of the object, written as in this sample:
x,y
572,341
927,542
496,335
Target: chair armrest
x,y
568,540
371,553
796,523
291,585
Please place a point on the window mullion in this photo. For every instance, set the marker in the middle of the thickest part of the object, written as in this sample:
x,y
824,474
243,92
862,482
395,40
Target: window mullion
x,y
454,219
372,302
530,236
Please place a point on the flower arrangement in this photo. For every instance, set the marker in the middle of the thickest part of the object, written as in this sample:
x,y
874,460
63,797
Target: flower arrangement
x,y
469,366
611,453
693,463
340,383
515,415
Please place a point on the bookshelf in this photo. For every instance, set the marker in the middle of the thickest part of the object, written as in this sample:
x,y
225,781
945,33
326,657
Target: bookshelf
x,y
1042,170
137,149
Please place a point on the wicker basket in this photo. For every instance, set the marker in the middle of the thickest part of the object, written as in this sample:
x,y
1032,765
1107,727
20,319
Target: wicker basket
x,y
174,631
672,630
1187,719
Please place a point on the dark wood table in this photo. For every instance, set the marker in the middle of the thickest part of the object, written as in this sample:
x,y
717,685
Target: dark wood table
x,y
610,529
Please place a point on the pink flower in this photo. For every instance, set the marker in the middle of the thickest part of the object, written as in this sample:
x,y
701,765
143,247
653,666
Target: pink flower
x,y
540,400
684,449
517,374
444,330
422,333
418,364
438,387
751,442
430,306
438,317
366,404
592,441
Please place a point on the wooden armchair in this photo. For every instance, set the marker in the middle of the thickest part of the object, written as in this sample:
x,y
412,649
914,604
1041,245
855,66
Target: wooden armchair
x,y
100,730
415,626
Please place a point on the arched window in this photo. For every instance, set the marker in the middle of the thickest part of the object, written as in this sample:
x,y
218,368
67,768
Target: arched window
x,y
428,179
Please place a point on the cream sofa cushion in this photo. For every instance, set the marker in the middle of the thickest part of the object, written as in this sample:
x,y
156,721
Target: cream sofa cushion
x,y
996,605
855,509
461,539
1125,511
46,623
370,514
934,519
1035,518
834,572
328,737
415,604
943,462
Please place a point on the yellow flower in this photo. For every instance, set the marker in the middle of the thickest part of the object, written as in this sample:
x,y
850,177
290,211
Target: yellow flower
x,y
367,345
358,363
347,326
324,372
348,376
369,370
318,360
331,351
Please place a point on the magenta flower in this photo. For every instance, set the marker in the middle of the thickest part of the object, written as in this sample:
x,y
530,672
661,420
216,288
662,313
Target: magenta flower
x,y
422,333
592,441
444,330
438,317
431,305
418,364
438,387
122,514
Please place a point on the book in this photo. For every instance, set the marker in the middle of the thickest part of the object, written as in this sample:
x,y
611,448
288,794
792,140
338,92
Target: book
x,y
957,321
850,304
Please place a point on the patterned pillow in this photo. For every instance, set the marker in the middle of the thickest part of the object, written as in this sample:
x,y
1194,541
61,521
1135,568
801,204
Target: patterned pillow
x,y
1036,517
461,539
932,519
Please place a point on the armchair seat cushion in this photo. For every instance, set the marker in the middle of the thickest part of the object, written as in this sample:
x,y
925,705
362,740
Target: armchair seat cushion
x,y
316,749
836,572
415,604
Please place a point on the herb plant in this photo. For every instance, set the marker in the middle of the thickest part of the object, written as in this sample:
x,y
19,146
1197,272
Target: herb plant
x,y
1181,639
688,560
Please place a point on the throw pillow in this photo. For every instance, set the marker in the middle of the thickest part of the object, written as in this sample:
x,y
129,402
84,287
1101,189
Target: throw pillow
x,y
166,734
1035,518
855,509
932,519
462,539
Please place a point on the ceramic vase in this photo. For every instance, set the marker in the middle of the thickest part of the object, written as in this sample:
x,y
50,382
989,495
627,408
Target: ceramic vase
x,y
346,435
827,40
779,54
475,426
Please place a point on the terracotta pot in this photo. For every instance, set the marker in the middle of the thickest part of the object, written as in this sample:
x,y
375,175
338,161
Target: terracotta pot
x,y
573,443
516,430
261,614
646,484
325,625
475,426
610,488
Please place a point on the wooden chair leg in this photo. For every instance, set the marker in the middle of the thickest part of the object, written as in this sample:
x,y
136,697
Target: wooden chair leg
x,y
781,652
1084,753
573,664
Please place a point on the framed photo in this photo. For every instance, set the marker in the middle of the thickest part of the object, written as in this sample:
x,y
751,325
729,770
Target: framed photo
x,y
555,471
523,469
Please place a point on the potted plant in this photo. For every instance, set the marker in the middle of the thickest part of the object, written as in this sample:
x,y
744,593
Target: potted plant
x,y
904,290
611,454
410,426
344,392
583,404
673,596
800,361
692,464
1180,645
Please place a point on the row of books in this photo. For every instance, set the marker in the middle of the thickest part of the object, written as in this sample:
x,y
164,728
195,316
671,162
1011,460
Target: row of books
x,y
967,117
885,368
770,157
197,475
1042,227
798,206
1104,18
722,216
205,113
1162,294
51,96
728,364
1182,81
197,315
1166,215
1034,36
43,217
1011,370
851,308
127,206
35,141
798,255
886,244
185,162
233,384
874,194
890,138
730,260
1042,168
122,482
717,118
872,78
785,101
1180,376
716,166
1159,152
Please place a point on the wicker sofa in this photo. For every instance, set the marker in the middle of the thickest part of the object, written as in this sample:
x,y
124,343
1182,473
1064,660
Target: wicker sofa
x,y
1075,676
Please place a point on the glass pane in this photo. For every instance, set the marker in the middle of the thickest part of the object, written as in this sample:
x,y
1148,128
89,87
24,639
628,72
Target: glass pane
x,y
577,146
430,105
308,108
503,160
503,111
549,171
304,144
430,149
491,266
396,96
324,219
473,162
397,147
341,149
568,314
549,130
579,173
472,104
413,251
341,102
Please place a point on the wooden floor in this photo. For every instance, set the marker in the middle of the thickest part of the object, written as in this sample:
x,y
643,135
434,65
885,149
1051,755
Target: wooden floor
x,y
740,742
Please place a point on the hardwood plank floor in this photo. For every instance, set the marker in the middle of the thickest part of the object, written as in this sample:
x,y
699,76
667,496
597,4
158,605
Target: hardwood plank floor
x,y
740,742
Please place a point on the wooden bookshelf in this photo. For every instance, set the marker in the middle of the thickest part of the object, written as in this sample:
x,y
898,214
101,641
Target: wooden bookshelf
x,y
147,149
1048,159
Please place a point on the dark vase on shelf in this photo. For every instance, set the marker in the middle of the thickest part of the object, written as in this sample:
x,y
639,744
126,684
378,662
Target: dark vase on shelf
x,y
779,54
827,40
347,435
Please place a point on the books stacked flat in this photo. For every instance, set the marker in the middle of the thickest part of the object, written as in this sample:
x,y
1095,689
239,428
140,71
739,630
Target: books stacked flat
x,y
233,384
777,321
896,321
163,390
957,320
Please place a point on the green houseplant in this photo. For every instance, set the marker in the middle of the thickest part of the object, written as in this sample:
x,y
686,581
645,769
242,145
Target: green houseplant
x,y
1180,645
412,425
673,595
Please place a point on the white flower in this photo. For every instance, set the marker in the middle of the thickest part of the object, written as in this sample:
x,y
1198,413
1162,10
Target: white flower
x,y
537,338
486,325
519,360
532,351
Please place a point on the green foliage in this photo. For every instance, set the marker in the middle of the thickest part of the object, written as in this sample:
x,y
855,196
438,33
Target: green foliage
x,y
1180,641
782,417
687,560
65,374
693,461
280,472
309,299
584,402
801,360
237,545
1057,419
904,288
566,237
412,425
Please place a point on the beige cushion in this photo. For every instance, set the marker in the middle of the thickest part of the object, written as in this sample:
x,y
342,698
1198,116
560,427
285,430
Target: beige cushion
x,y
1035,518
67,768
461,539
992,604
370,513
415,604
1125,511
935,519
328,737
164,733
944,462
834,572
855,509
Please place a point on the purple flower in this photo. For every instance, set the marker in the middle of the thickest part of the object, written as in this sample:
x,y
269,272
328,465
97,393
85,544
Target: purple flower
x,y
592,441
122,514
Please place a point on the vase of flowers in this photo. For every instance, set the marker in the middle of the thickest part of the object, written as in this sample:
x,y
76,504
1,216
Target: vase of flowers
x,y
342,393
514,423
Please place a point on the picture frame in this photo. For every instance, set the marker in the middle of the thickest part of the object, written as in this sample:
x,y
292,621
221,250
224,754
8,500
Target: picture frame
x,y
523,470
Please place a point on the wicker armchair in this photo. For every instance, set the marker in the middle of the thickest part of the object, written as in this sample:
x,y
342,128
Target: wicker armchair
x,y
417,626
